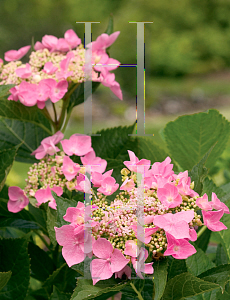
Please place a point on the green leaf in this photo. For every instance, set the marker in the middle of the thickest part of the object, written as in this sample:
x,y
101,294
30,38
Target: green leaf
x,y
57,295
86,290
62,205
41,264
28,136
186,285
219,275
149,150
39,216
17,111
221,257
203,240
14,258
199,172
113,142
209,187
50,223
176,267
64,278
4,278
7,157
199,263
77,97
4,90
189,137
109,29
160,278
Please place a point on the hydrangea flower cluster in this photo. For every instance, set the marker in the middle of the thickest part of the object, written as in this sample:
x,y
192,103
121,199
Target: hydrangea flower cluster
x,y
156,212
55,65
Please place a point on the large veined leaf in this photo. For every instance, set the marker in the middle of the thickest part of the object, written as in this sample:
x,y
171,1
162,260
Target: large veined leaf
x,y
85,289
4,278
57,295
4,90
186,285
7,157
160,278
189,137
14,258
176,267
219,275
22,126
199,263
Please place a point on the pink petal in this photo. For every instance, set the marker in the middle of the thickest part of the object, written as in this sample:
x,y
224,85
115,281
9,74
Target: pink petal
x,y
100,270
118,261
102,248
12,55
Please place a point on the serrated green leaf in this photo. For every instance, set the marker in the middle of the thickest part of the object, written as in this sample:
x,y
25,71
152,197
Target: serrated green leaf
x,y
203,240
77,97
199,172
57,295
50,223
62,205
41,264
7,157
17,111
199,263
160,277
64,278
113,142
219,275
85,289
189,137
4,90
176,267
28,136
14,258
39,216
4,278
186,285
149,150
221,257
209,187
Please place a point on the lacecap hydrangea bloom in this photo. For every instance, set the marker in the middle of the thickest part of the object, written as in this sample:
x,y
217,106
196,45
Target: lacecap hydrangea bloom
x,y
156,212
55,66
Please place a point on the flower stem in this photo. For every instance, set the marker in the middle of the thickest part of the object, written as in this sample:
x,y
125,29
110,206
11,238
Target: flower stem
x,y
55,113
138,293
42,239
201,231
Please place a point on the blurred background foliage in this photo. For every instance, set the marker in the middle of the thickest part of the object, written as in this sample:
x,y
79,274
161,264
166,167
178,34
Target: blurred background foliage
x,y
187,57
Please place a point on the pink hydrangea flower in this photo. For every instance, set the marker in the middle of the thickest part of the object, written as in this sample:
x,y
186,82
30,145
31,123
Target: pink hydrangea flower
x,y
110,260
175,224
127,185
131,248
217,204
57,89
50,42
73,242
103,41
49,68
24,72
83,184
108,186
180,249
97,177
212,220
169,195
12,55
203,203
69,168
140,266
136,165
27,93
163,169
72,39
126,270
48,145
44,195
77,144
17,199
93,163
